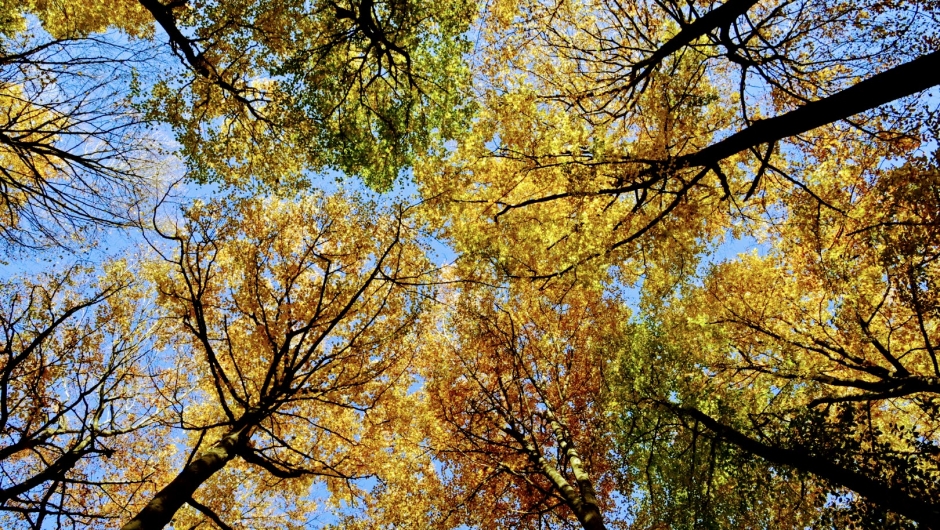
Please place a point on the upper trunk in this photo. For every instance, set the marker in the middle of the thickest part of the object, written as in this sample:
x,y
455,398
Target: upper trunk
x,y
164,505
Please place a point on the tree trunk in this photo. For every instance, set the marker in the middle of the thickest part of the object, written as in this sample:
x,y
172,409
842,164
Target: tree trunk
x,y
898,82
164,505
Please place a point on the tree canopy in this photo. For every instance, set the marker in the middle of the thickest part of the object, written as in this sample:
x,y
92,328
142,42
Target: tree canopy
x,y
505,264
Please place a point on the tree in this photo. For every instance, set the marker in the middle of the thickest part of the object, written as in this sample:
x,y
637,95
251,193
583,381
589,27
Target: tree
x,y
271,89
296,317
267,92
515,384
607,120
75,155
76,394
676,472
840,358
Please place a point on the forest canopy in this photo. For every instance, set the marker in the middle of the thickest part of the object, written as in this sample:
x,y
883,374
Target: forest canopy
x,y
272,264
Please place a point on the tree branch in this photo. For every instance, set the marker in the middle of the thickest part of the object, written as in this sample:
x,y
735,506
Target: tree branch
x,y
923,511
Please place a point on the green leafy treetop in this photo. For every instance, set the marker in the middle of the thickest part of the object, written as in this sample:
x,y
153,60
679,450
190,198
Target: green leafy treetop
x,y
276,88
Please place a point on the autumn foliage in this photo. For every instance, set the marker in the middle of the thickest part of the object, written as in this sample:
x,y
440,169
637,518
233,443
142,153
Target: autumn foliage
x,y
509,264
